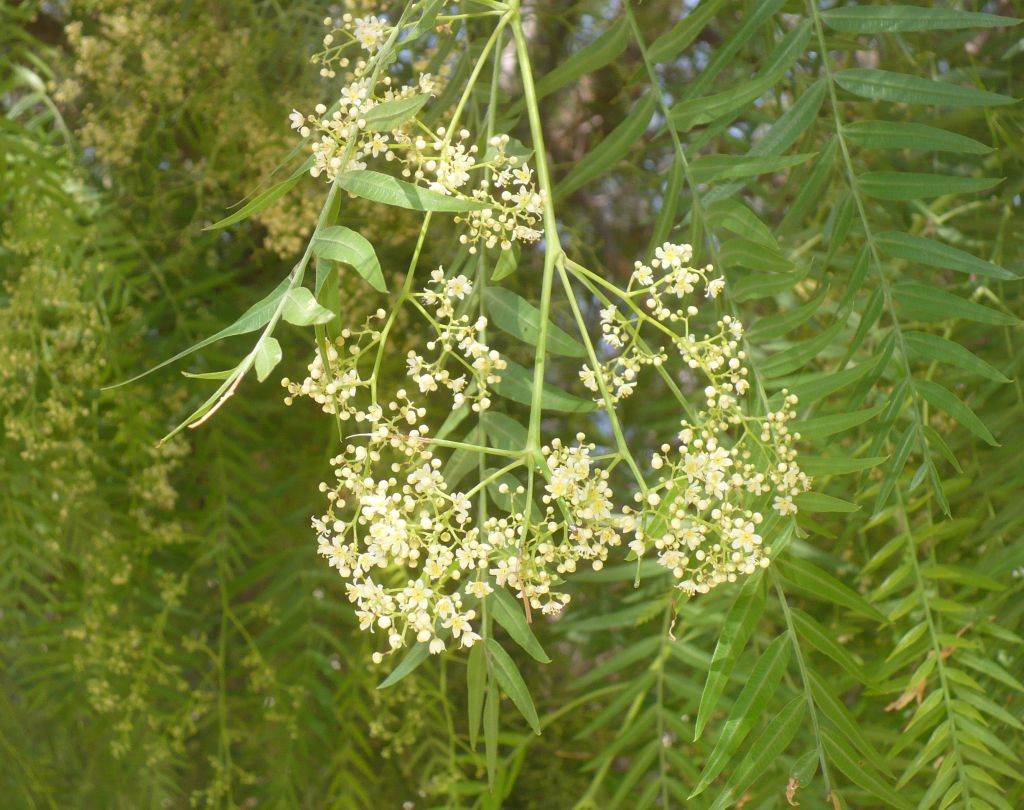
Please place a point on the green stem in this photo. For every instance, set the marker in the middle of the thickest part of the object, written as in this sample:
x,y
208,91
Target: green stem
x,y
552,244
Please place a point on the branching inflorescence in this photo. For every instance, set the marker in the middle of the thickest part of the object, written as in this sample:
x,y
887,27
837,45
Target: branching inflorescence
x,y
417,553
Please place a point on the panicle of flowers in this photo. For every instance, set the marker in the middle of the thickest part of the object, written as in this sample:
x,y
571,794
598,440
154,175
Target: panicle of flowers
x,y
402,540
460,338
444,159
702,518
343,130
366,33
445,163
335,387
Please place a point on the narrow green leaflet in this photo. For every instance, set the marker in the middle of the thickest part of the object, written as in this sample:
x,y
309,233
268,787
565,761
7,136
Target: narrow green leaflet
x,y
674,41
603,50
835,710
789,360
752,21
835,465
885,85
734,216
517,316
504,669
822,640
847,763
696,111
933,347
268,355
389,115
920,185
509,614
908,135
820,502
932,303
764,751
935,254
603,157
388,190
417,654
264,199
946,400
733,167
807,577
878,19
739,624
749,706
341,244
517,384
492,708
504,432
821,427
255,317
300,308
811,187
476,686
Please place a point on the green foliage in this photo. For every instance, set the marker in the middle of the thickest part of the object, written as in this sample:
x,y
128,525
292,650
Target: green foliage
x,y
170,637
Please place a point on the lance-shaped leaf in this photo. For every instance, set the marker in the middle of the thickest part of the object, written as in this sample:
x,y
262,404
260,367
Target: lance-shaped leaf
x,y
476,687
517,316
934,347
509,614
885,85
603,50
388,190
935,254
265,199
920,185
749,706
764,751
932,303
739,624
878,19
340,244
820,502
946,400
847,762
731,167
389,115
504,669
517,384
809,578
417,654
612,149
908,135
255,317
695,111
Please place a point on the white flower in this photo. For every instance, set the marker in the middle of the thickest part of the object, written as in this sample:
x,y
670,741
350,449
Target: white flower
x,y
369,32
297,119
784,505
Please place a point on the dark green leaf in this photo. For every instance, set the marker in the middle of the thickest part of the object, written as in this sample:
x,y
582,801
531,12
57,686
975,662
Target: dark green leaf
x,y
506,673
521,319
341,244
387,190
885,85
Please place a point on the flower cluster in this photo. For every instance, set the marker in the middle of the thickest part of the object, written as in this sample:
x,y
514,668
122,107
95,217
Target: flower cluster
x,y
702,517
458,337
373,118
666,301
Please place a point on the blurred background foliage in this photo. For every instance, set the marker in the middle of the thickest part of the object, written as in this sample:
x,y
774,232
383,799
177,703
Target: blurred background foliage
x,y
169,637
